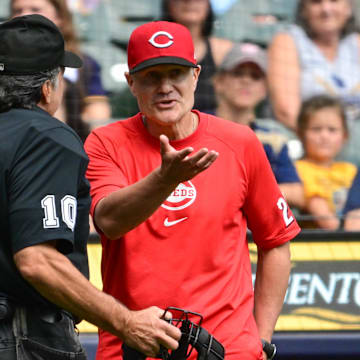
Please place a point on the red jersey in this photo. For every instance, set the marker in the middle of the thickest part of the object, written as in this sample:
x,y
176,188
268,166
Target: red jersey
x,y
192,253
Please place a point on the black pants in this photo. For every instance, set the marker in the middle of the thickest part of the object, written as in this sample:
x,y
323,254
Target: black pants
x,y
42,335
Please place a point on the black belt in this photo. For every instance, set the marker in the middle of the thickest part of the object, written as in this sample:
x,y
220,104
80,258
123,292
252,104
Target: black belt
x,y
51,315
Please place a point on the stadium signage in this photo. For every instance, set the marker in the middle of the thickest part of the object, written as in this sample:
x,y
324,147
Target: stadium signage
x,y
329,289
324,288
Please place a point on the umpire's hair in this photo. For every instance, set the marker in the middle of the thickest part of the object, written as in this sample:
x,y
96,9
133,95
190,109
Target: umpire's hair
x,y
24,91
350,26
207,25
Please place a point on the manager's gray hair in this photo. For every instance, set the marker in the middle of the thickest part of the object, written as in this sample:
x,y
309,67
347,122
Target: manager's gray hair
x,y
24,91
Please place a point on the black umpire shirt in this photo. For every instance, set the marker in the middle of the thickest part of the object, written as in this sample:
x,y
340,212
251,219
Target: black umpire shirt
x,y
44,194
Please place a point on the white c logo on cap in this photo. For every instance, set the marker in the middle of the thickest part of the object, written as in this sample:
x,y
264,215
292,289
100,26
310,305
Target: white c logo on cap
x,y
154,43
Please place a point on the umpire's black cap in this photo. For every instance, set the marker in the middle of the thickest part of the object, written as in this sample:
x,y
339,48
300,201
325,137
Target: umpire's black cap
x,y
33,43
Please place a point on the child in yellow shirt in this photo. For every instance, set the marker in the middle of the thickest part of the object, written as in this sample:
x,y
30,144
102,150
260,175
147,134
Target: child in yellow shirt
x,y
322,128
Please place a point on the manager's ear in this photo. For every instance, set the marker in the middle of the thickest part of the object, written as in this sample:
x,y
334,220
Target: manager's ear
x,y
130,81
196,73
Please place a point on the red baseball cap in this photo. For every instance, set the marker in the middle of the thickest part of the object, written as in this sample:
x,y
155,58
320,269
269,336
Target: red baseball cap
x,y
160,42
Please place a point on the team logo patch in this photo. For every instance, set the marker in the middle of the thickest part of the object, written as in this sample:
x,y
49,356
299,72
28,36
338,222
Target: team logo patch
x,y
159,36
182,197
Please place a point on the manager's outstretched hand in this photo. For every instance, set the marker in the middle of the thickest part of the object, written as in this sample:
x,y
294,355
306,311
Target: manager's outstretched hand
x,y
178,166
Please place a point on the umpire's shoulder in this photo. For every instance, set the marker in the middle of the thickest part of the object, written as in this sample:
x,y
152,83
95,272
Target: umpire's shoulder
x,y
42,127
59,133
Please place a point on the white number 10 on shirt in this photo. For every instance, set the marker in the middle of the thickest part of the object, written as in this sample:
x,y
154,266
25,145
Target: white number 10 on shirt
x,y
68,212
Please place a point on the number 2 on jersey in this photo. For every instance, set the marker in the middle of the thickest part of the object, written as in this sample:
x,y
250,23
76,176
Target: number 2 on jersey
x,y
68,212
282,205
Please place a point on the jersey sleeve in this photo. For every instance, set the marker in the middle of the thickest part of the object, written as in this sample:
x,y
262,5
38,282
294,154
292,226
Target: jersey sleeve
x,y
43,188
103,172
284,169
268,215
353,197
277,152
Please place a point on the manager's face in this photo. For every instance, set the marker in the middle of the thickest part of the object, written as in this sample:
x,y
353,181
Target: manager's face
x,y
165,93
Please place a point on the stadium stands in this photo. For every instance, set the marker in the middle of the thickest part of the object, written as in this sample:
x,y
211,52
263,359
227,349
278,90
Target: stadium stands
x,y
105,32
255,20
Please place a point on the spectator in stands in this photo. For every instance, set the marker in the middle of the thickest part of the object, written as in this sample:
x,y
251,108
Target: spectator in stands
x,y
84,99
322,128
352,207
319,54
240,86
198,17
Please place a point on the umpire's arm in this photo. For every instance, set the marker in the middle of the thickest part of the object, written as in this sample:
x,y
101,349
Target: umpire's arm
x,y
272,276
57,279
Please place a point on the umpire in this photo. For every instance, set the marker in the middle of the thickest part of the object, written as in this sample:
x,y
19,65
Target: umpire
x,y
44,207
